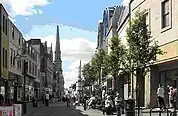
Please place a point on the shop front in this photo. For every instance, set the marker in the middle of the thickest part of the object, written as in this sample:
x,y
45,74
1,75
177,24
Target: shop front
x,y
164,74
15,83
3,92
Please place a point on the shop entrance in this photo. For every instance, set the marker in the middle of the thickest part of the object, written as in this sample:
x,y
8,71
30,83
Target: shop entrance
x,y
168,78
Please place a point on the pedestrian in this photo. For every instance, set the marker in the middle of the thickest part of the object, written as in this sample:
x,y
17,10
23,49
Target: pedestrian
x,y
68,99
118,104
171,96
160,96
47,99
84,101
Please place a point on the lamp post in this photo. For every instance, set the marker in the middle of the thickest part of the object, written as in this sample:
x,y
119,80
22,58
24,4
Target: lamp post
x,y
19,56
101,82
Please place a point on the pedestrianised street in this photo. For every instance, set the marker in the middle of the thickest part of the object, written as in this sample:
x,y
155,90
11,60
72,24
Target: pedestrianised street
x,y
88,57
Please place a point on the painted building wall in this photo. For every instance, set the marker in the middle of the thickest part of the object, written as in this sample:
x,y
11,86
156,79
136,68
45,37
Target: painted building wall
x,y
166,39
4,42
15,43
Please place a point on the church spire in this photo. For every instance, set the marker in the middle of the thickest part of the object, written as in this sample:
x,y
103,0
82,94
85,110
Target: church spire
x,y
58,51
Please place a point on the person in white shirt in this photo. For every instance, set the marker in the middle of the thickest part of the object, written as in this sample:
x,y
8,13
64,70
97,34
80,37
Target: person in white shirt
x,y
160,95
47,99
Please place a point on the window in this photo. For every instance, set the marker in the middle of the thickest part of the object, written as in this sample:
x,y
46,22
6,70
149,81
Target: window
x,y
13,32
165,13
6,27
3,57
6,58
3,23
30,68
19,39
19,63
33,69
147,21
11,56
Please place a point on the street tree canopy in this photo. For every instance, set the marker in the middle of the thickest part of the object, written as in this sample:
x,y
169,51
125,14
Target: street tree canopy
x,y
116,57
92,70
143,48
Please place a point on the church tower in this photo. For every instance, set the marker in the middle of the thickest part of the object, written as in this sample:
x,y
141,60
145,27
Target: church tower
x,y
58,65
58,61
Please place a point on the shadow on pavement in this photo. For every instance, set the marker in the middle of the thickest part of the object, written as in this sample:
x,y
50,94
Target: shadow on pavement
x,y
58,110
80,113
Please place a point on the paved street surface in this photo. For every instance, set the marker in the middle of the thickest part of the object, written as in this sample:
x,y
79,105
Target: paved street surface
x,y
60,109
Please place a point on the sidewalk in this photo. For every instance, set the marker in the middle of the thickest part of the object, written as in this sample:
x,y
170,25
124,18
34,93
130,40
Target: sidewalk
x,y
144,112
89,112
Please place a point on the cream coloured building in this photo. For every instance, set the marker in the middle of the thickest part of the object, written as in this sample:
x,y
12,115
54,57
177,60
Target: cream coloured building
x,y
162,20
15,65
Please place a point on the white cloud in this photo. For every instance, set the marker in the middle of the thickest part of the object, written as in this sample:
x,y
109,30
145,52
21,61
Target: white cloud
x,y
125,2
26,7
73,50
26,18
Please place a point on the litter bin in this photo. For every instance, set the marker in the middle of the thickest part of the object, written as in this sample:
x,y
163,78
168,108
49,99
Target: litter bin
x,y
130,107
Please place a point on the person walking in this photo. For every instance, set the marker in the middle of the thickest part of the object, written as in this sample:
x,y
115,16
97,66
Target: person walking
x,y
68,99
171,96
47,99
160,96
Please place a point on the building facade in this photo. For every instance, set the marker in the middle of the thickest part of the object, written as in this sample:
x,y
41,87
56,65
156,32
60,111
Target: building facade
x,y
15,65
4,51
50,69
33,74
162,22
111,19
123,24
100,41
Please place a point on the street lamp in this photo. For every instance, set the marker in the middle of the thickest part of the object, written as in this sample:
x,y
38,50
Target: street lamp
x,y
19,56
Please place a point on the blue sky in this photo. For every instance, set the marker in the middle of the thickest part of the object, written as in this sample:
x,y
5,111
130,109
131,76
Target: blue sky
x,y
78,20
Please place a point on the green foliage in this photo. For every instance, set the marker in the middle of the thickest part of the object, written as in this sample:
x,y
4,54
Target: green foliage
x,y
116,56
143,49
99,60
92,70
88,74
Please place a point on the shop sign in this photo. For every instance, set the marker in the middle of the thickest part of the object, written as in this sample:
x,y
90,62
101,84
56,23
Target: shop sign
x,y
6,111
18,84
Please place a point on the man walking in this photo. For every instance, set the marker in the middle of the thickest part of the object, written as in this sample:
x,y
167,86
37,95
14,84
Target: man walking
x,y
68,99
160,95
46,99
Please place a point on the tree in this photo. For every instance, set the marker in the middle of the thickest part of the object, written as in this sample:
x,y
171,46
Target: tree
x,y
116,58
143,49
100,62
88,74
